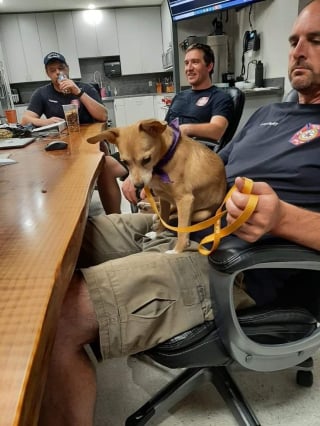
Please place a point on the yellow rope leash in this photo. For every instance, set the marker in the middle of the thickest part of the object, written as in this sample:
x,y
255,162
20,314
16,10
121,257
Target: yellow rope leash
x,y
214,221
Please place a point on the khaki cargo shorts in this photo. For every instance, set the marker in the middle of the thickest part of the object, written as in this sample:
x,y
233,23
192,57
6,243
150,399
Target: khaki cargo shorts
x,y
141,295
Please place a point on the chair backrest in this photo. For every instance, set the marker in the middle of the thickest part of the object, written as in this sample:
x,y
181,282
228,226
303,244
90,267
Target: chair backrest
x,y
238,98
291,96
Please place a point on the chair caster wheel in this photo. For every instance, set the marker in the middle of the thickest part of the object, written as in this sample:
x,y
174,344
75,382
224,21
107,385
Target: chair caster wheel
x,y
304,378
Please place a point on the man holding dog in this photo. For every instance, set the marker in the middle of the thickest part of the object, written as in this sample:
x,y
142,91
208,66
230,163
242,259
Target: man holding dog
x,y
204,111
137,295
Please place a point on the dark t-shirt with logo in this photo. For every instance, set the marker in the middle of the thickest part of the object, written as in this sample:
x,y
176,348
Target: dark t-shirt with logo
x,y
46,100
280,145
199,106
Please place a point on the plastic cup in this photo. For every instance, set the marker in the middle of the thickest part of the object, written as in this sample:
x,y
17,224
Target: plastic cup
x,y
72,117
11,116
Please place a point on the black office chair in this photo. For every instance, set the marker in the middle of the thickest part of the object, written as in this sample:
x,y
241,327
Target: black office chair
x,y
238,98
271,338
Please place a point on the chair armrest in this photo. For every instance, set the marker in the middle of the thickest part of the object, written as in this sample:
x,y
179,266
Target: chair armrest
x,y
234,256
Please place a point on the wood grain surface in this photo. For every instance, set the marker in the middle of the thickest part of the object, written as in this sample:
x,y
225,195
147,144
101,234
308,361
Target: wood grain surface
x,y
44,201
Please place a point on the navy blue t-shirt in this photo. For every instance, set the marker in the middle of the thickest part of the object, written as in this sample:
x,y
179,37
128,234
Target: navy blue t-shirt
x,y
46,100
280,145
199,106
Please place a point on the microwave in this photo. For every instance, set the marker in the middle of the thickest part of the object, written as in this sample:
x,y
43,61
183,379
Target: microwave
x,y
167,58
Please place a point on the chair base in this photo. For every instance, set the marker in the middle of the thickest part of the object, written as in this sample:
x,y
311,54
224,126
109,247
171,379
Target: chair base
x,y
219,376
189,380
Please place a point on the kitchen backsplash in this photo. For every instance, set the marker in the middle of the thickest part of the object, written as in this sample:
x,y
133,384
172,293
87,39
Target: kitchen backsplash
x,y
92,69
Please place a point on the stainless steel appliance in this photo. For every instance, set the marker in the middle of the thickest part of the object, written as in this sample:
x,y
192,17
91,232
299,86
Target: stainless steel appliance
x,y
6,101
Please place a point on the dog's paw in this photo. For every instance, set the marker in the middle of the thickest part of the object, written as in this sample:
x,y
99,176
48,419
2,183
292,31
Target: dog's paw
x,y
171,251
144,206
152,235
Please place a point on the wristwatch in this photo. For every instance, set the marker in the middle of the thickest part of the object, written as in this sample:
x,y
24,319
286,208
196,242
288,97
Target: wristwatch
x,y
80,93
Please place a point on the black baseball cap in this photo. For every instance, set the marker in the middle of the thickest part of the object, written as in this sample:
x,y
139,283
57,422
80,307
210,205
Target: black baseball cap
x,y
54,56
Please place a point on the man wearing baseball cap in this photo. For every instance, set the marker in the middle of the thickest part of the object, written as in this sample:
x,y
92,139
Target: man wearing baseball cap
x,y
46,102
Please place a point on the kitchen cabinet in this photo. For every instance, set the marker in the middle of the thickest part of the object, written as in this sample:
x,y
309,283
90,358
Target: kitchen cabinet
x,y
67,41
120,112
166,25
13,46
140,40
47,33
159,106
28,37
132,109
96,33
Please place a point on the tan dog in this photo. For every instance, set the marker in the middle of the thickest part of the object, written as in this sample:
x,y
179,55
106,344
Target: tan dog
x,y
181,171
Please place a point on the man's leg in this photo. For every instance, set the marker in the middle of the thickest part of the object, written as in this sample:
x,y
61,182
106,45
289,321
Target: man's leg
x,y
70,392
109,191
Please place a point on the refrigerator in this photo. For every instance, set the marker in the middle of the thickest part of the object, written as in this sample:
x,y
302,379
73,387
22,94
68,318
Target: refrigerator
x,y
6,101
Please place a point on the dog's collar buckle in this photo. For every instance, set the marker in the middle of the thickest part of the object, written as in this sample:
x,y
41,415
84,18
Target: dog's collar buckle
x,y
158,168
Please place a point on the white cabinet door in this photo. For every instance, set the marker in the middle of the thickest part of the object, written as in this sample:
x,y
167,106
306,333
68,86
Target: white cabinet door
x,y
166,24
107,34
31,47
139,108
47,33
67,41
140,40
28,37
160,109
120,112
96,33
13,48
135,108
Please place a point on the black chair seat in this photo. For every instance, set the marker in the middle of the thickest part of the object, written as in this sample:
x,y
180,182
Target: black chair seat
x,y
202,346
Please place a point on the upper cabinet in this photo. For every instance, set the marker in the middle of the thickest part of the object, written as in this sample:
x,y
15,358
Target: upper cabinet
x,y
27,38
166,24
140,40
21,48
96,33
133,33
67,41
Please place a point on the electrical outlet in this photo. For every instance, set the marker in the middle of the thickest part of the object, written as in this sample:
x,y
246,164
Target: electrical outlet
x,y
150,83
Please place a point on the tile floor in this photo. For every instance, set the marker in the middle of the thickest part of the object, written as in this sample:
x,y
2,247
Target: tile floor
x,y
126,384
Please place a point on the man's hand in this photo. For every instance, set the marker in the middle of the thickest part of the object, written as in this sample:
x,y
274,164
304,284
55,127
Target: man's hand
x,y
264,218
129,191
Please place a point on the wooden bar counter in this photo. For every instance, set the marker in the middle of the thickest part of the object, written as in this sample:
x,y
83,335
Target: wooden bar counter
x,y
44,201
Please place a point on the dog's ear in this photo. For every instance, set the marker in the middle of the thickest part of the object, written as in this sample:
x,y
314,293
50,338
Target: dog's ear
x,y
109,135
153,127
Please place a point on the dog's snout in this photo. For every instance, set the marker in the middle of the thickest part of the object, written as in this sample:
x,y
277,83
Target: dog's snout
x,y
139,186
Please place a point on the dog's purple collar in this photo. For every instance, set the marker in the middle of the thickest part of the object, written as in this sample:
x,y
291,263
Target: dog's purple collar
x,y
158,168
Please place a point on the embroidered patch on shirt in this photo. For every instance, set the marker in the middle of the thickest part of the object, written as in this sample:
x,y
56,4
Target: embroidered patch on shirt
x,y
202,101
306,134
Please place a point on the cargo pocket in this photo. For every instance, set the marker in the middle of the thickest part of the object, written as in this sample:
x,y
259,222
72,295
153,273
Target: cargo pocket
x,y
153,308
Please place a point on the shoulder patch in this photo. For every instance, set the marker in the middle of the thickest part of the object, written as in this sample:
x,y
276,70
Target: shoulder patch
x,y
306,134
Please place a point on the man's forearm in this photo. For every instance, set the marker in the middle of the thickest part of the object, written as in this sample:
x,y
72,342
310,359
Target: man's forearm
x,y
298,225
95,109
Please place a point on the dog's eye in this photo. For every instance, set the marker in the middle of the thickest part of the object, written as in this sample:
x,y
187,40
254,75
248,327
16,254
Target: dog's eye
x,y
145,161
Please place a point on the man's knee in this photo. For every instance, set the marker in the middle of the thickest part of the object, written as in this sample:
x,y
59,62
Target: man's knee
x,y
78,322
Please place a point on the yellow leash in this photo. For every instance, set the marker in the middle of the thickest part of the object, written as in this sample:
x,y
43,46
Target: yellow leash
x,y
214,221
